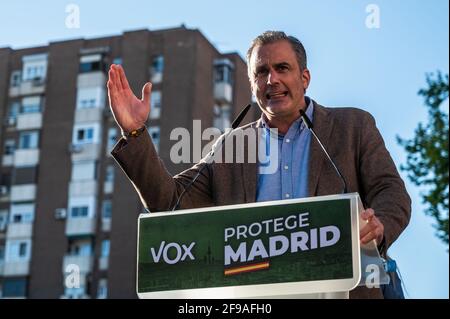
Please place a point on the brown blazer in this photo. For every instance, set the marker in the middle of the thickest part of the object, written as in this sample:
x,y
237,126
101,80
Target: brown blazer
x,y
349,135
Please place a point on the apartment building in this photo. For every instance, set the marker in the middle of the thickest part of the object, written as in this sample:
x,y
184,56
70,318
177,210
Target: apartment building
x,y
68,214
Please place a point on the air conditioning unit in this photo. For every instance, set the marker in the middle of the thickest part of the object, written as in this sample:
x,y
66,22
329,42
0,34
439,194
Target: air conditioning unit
x,y
75,148
60,213
4,190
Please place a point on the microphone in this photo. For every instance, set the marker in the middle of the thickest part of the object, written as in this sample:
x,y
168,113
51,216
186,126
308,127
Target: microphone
x,y
309,125
210,157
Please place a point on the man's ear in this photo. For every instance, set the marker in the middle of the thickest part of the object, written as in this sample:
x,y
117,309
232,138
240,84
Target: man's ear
x,y
306,78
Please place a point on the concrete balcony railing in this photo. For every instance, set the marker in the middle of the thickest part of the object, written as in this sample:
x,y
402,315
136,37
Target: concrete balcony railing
x,y
25,192
28,121
84,263
29,87
78,226
8,160
83,188
16,268
103,263
223,92
85,152
94,114
91,79
108,187
19,230
26,157
106,224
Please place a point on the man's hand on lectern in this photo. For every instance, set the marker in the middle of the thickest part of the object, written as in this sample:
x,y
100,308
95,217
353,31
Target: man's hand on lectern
x,y
374,229
129,112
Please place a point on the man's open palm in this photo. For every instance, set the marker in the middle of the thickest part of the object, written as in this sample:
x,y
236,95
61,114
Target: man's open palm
x,y
129,112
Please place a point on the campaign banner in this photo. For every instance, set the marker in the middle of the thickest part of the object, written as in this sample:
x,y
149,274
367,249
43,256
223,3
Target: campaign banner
x,y
288,241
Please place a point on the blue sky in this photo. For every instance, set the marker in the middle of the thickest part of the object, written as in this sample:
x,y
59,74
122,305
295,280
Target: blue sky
x,y
379,69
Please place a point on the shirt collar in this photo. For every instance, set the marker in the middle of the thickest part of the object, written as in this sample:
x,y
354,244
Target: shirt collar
x,y
298,123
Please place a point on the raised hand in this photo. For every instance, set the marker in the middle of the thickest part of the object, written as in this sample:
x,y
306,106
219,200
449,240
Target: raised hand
x,y
129,112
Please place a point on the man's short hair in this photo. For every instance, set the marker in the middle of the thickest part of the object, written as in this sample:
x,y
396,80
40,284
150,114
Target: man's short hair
x,y
274,36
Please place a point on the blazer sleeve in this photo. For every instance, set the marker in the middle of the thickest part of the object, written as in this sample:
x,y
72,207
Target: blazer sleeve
x,y
382,186
156,187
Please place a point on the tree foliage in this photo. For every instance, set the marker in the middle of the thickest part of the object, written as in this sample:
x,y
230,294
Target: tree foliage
x,y
427,153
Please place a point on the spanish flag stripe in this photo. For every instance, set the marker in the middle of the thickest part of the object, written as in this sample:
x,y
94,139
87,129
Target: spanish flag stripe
x,y
247,268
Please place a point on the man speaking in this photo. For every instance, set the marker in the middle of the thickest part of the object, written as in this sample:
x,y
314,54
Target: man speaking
x,y
279,78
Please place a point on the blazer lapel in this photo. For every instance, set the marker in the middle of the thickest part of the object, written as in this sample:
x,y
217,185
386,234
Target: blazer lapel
x,y
322,126
250,170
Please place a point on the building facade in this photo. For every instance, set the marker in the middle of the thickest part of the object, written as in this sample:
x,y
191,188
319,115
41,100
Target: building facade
x,y
68,215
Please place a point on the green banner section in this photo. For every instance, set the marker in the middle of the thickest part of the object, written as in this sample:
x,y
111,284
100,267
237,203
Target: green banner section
x,y
245,246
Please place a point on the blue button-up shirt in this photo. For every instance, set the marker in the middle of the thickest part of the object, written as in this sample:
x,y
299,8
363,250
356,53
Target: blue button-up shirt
x,y
290,180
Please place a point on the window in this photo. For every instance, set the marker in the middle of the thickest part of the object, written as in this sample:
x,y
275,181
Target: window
x,y
85,134
14,109
14,288
102,291
18,250
155,110
82,207
112,137
156,70
3,221
79,211
91,63
106,209
80,248
31,104
75,293
2,254
223,71
15,78
105,248
22,213
85,170
10,146
90,97
34,67
109,173
28,140
155,135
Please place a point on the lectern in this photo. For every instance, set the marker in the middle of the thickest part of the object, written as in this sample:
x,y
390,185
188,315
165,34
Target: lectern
x,y
298,248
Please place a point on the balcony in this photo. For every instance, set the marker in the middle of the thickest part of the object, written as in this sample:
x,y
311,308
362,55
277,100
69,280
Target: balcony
x,y
28,121
91,79
108,187
16,268
103,263
80,226
84,264
84,152
25,192
106,224
26,157
35,86
83,188
8,160
94,114
223,92
19,230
